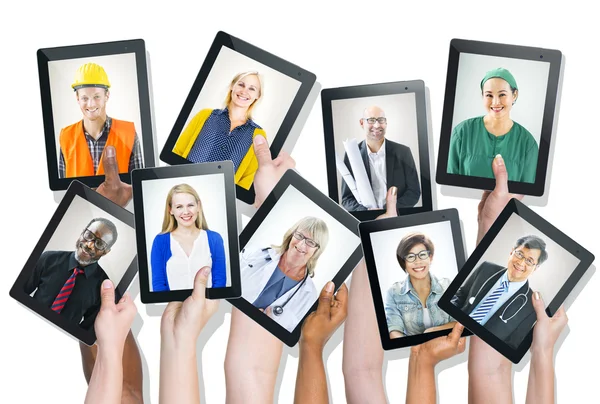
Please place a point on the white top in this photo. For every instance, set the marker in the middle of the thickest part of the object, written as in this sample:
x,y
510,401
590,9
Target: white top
x,y
378,174
181,269
427,318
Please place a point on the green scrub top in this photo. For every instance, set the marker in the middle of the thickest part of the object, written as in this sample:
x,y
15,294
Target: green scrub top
x,y
472,149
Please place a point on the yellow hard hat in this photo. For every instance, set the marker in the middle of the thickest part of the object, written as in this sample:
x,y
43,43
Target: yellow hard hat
x,y
90,75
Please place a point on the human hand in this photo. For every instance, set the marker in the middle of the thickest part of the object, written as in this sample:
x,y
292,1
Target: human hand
x,y
438,349
390,204
492,203
182,323
113,321
547,329
269,171
331,312
268,311
112,187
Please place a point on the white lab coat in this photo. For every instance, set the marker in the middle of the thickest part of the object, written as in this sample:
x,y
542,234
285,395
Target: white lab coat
x,y
257,266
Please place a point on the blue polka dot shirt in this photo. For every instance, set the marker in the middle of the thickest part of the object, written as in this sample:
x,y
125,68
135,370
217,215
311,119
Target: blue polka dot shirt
x,y
216,143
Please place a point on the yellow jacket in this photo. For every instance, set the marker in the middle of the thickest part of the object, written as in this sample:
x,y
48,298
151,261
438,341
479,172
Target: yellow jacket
x,y
244,175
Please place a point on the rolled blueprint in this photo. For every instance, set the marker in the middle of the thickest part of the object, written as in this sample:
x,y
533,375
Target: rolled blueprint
x,y
348,178
363,185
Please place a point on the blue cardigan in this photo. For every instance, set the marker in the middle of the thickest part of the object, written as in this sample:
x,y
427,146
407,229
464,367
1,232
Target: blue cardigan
x,y
161,252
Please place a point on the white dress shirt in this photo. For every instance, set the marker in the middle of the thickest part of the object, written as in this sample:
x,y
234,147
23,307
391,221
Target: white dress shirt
x,y
181,269
378,174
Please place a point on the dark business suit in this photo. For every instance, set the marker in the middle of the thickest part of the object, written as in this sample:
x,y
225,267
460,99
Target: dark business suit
x,y
401,172
518,322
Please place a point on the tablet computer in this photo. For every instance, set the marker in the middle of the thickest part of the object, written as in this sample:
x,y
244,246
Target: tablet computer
x,y
241,91
89,239
500,99
521,254
376,138
411,260
297,241
185,219
93,96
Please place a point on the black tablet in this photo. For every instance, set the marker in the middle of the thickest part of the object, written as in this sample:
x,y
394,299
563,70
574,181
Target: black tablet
x,y
376,138
89,239
94,96
411,260
297,241
500,99
521,253
241,91
185,219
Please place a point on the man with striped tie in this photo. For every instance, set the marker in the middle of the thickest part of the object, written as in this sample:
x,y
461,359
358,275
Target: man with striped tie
x,y
69,282
499,297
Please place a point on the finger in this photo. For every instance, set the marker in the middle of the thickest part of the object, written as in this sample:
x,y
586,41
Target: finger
x,y
107,294
342,295
390,200
500,174
269,311
561,316
123,301
261,150
111,168
462,344
200,281
456,333
325,298
538,306
518,196
283,156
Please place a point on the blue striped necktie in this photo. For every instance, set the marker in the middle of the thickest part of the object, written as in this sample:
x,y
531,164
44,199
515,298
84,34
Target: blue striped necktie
x,y
485,306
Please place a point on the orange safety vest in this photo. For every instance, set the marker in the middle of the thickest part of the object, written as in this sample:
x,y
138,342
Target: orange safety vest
x,y
78,159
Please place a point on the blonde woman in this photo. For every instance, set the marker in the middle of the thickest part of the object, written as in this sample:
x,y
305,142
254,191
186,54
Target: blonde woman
x,y
185,244
278,279
226,134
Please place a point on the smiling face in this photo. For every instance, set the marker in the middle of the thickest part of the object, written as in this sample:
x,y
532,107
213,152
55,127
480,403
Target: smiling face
x,y
419,268
245,91
184,209
92,102
373,131
88,244
522,262
498,98
298,252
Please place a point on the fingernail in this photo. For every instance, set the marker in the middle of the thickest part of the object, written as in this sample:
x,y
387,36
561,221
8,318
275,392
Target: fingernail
x,y
394,191
329,287
258,140
206,271
536,295
499,159
107,284
110,151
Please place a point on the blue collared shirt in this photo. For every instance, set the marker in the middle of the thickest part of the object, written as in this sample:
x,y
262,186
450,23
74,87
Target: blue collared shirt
x,y
404,310
513,287
277,286
216,143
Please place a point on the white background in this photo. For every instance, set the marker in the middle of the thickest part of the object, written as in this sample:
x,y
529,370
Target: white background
x,y
532,80
414,48
210,189
123,101
549,277
401,113
278,90
293,206
75,220
385,244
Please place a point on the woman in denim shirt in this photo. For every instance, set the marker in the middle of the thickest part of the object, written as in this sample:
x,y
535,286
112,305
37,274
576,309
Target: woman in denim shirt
x,y
411,305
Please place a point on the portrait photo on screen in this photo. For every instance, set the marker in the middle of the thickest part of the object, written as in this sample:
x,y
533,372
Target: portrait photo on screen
x,y
186,230
295,251
377,139
84,247
92,100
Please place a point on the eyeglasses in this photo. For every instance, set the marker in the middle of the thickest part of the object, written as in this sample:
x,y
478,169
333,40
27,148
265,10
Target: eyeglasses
x,y
529,262
423,255
100,244
308,241
381,120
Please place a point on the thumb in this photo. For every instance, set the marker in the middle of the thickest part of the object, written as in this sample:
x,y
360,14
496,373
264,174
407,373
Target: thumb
x,y
261,150
107,294
390,201
200,282
325,298
538,306
500,174
109,161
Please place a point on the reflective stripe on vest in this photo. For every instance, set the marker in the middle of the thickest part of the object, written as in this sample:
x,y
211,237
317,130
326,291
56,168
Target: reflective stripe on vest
x,y
78,159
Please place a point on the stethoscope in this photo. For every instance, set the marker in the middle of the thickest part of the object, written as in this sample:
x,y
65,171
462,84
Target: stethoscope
x,y
278,310
522,296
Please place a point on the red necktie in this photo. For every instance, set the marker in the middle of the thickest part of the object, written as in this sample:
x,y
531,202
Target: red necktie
x,y
65,292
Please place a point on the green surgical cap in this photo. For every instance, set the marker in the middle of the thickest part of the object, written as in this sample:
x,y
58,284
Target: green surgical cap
x,y
501,73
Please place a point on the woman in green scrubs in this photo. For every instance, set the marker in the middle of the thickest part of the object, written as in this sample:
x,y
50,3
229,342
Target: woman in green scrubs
x,y
476,141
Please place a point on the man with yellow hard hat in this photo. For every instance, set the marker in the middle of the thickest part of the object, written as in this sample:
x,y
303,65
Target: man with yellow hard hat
x,y
82,144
